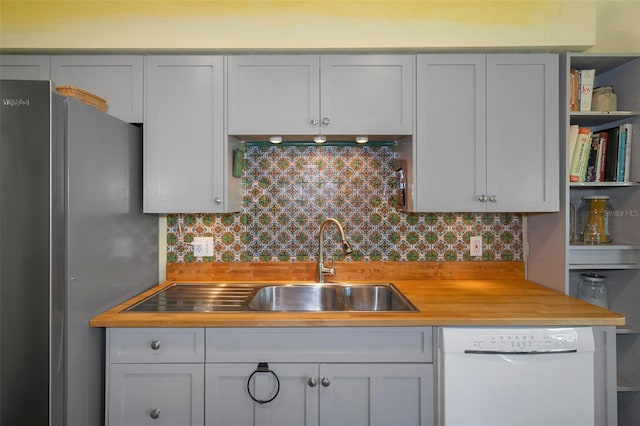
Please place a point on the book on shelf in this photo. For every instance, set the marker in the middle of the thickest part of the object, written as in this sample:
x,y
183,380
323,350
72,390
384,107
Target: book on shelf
x,y
591,171
617,153
627,161
611,166
622,151
573,90
580,156
602,155
586,79
573,136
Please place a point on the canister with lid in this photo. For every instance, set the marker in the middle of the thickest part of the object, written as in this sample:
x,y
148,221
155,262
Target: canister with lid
x,y
595,220
604,99
593,289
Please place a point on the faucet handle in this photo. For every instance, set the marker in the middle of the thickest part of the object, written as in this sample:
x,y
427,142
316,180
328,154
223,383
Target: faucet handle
x,y
330,264
328,270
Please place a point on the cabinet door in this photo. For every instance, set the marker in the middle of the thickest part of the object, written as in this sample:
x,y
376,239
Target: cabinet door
x,y
153,394
366,94
184,150
273,94
116,78
522,132
450,136
24,67
376,394
228,402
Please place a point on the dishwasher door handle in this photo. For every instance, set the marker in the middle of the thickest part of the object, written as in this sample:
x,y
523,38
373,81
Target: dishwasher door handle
x,y
545,352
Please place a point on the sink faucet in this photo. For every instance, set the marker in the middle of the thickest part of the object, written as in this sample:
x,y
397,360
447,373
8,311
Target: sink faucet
x,y
346,248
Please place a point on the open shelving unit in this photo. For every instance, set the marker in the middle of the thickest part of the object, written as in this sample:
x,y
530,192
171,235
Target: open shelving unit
x,y
557,262
618,261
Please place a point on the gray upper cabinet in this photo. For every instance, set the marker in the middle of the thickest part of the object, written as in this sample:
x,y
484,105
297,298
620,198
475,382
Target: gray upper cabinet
x,y
486,133
366,94
450,137
330,94
116,78
523,169
24,67
187,158
273,95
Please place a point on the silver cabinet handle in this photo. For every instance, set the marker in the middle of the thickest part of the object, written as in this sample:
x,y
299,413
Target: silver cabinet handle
x,y
326,121
155,345
217,200
314,122
155,413
493,198
312,382
325,382
482,198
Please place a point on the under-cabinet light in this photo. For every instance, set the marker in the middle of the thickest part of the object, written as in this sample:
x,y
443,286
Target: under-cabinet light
x,y
362,139
275,139
319,139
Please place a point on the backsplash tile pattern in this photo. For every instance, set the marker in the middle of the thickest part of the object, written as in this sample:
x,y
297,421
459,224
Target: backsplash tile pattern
x,y
289,190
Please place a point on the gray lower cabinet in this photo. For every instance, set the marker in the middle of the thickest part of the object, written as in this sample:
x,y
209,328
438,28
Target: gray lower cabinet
x,y
155,376
321,394
487,132
188,161
327,375
152,394
328,94
25,67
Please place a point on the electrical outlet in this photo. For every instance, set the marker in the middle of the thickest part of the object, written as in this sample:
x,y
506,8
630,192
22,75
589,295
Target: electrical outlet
x,y
475,246
203,246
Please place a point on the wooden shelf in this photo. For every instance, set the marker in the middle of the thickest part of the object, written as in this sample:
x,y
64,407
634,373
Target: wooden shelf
x,y
600,118
628,329
601,62
604,256
578,185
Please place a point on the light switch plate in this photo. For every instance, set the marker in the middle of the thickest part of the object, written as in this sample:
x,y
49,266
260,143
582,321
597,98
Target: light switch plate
x,y
475,246
203,246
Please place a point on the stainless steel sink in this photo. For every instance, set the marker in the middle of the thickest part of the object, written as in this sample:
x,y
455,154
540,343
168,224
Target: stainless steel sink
x,y
374,298
296,298
238,297
330,297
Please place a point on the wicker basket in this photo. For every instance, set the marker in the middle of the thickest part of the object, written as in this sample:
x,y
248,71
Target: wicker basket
x,y
83,96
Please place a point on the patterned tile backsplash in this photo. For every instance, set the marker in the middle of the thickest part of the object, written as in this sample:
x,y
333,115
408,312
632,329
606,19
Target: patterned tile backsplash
x,y
290,190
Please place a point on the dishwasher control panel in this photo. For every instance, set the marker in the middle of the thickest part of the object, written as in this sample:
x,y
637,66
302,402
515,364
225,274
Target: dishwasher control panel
x,y
519,340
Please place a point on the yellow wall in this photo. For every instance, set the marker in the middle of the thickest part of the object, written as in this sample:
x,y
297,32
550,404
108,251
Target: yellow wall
x,y
617,26
146,25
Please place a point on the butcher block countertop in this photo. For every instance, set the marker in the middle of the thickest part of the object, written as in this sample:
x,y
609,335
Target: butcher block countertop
x,y
441,301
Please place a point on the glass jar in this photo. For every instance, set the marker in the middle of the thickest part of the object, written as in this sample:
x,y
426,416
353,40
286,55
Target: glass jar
x,y
595,220
593,289
572,223
604,99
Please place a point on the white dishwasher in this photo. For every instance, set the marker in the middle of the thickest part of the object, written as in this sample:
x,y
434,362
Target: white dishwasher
x,y
508,376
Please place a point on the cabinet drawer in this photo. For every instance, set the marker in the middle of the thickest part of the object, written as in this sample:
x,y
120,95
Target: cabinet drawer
x,y
155,394
320,344
155,345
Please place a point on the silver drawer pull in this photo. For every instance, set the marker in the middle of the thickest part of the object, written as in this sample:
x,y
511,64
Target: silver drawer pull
x,y
155,345
155,413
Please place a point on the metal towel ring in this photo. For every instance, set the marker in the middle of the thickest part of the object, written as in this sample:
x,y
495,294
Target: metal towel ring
x,y
263,367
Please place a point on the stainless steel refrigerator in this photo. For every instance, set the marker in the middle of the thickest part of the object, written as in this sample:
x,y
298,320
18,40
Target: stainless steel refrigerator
x,y
73,243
